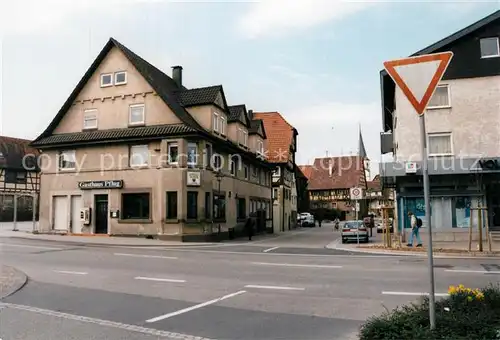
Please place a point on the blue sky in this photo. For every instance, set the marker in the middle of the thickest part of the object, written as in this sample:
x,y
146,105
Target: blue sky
x,y
315,61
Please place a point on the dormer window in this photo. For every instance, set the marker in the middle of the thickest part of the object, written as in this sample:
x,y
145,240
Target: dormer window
x,y
243,137
106,79
490,47
222,125
260,147
120,78
215,122
219,123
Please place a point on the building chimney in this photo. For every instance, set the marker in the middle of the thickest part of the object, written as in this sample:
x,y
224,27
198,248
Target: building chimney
x,y
177,75
250,114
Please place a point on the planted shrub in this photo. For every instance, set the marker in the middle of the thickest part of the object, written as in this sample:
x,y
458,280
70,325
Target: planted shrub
x,y
465,314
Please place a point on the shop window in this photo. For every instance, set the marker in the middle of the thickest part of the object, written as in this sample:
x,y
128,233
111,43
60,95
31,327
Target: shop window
x,y
462,212
192,205
135,206
219,205
172,205
241,208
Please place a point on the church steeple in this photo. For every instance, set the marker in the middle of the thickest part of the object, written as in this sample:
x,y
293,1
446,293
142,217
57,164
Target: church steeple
x,y
361,147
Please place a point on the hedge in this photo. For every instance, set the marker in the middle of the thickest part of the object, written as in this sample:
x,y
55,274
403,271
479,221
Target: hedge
x,y
465,314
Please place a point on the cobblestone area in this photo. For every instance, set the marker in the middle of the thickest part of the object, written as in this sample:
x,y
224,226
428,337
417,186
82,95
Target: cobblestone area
x,y
11,280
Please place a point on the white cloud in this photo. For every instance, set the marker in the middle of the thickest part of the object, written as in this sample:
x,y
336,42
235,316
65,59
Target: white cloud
x,y
280,16
38,16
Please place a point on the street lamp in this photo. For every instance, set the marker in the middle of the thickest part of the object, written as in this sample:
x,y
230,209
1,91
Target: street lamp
x,y
218,177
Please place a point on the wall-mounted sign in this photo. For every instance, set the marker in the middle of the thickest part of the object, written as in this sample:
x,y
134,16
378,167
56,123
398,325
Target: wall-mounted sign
x,y
489,164
411,167
193,178
111,184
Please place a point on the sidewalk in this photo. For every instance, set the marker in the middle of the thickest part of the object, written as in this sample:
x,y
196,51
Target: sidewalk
x,y
11,280
443,248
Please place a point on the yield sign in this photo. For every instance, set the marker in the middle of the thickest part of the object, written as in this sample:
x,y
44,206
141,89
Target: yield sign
x,y
419,76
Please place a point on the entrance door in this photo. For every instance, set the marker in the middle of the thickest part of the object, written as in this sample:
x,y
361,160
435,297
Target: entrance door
x,y
60,211
76,207
101,214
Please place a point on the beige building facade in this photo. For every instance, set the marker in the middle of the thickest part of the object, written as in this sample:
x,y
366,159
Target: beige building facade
x,y
135,152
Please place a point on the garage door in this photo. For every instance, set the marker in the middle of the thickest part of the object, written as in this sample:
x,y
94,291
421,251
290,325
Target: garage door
x,y
60,205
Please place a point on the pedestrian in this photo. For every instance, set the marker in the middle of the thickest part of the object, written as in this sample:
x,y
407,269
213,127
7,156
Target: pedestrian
x,y
249,228
415,224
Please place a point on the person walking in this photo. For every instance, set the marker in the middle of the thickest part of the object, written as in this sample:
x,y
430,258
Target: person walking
x,y
249,228
415,224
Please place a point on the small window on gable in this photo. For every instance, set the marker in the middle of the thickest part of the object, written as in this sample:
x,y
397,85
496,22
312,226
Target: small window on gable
x,y
440,98
120,78
136,114
490,47
106,79
215,122
260,147
90,119
222,125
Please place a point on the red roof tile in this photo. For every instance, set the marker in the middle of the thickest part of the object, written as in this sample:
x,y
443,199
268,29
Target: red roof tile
x,y
306,170
13,152
279,136
347,172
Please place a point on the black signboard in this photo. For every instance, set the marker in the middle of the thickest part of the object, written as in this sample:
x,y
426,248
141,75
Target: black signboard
x,y
489,164
112,184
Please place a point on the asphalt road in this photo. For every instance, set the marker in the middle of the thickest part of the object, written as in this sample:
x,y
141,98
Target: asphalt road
x,y
288,287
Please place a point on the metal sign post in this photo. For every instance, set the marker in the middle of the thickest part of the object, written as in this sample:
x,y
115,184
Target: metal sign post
x,y
422,74
356,195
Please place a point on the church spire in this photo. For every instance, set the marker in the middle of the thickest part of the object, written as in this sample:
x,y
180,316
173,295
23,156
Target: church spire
x,y
361,148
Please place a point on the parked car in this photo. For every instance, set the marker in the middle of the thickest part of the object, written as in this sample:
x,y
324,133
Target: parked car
x,y
380,225
307,220
352,230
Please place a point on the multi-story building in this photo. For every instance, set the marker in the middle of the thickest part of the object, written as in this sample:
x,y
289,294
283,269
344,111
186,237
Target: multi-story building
x,y
463,134
378,197
135,152
19,179
282,146
330,181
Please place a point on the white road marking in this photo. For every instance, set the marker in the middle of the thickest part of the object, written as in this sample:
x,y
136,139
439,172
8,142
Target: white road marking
x,y
201,305
270,249
28,246
273,287
295,265
158,279
471,271
70,272
100,322
412,294
147,256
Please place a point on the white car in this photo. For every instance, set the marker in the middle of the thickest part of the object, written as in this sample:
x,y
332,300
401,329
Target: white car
x,y
307,220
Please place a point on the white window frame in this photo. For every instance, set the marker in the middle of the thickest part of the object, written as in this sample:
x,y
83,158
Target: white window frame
x,y
246,171
144,162
72,152
245,138
497,39
195,146
260,147
169,146
86,113
222,125
133,106
440,134
215,122
104,75
117,83
449,98
277,173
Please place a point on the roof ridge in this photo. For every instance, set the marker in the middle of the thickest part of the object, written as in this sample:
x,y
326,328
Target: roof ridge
x,y
199,88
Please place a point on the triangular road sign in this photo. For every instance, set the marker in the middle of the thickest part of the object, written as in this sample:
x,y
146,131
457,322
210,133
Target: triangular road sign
x,y
419,76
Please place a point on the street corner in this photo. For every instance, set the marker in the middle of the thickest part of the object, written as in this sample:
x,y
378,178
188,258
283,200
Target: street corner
x,y
11,280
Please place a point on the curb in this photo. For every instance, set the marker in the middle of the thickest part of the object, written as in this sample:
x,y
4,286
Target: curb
x,y
110,245
15,279
333,245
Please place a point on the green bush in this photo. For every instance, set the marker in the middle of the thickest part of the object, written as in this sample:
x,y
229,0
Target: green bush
x,y
465,315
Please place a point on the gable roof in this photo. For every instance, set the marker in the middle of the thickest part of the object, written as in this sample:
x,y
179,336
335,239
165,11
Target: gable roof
x,y
347,172
12,152
306,170
238,113
280,138
257,128
202,96
374,185
159,81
